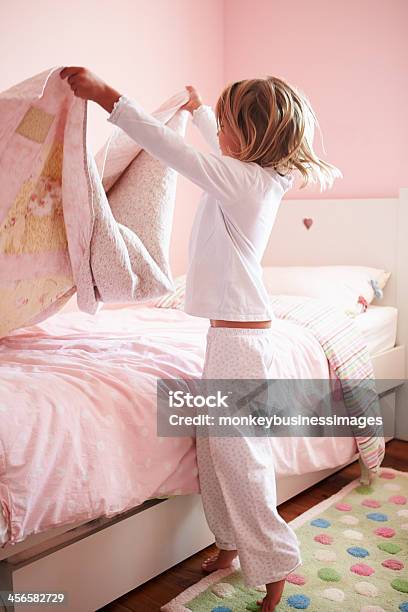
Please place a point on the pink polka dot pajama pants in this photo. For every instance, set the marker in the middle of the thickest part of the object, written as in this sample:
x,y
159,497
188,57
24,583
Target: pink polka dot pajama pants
x,y
237,475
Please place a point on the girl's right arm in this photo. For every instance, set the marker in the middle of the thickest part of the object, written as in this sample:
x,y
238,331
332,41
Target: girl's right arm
x,y
204,119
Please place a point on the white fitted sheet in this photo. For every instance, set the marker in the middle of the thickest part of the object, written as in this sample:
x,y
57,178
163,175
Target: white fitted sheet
x,y
379,327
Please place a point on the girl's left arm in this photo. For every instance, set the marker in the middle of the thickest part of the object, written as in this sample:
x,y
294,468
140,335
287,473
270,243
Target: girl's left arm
x,y
224,177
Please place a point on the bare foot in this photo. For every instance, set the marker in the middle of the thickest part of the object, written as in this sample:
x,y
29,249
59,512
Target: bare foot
x,y
220,560
274,592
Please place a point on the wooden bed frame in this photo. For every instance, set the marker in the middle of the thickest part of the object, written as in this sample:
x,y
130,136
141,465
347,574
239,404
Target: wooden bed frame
x,y
84,560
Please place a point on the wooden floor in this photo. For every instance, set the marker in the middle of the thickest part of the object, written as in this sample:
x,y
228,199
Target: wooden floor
x,y
156,592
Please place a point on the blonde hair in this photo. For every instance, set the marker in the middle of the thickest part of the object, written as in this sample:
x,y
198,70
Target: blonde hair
x,y
273,124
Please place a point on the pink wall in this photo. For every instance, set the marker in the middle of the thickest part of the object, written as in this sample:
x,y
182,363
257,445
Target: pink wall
x,y
148,49
350,58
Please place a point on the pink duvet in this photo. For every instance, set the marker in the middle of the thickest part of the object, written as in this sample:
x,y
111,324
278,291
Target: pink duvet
x,y
78,414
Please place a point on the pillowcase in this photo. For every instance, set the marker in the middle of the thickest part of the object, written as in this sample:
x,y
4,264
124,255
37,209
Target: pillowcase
x,y
172,299
351,288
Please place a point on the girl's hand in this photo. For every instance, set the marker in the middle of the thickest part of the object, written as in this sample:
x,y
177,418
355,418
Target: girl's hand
x,y
195,100
86,85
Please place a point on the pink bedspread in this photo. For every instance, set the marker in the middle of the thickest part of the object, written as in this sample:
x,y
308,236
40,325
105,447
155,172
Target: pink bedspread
x,y
78,414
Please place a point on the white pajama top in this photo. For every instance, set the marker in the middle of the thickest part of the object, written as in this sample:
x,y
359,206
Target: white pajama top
x,y
234,219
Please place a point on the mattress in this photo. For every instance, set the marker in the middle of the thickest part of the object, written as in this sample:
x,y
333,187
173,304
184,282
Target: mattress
x,y
378,326
121,352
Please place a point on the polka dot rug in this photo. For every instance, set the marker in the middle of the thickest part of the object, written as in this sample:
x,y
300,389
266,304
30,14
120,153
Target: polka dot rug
x,y
354,549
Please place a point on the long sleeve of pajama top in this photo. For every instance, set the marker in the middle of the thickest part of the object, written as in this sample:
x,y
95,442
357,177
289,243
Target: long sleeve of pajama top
x,y
234,219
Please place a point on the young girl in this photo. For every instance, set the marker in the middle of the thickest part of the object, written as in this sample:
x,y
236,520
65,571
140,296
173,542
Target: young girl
x,y
265,133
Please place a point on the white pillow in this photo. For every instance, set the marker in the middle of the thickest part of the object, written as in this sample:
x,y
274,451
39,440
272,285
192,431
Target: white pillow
x,y
350,288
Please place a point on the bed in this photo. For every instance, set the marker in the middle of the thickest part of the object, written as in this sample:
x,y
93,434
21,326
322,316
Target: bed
x,y
378,326
89,551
